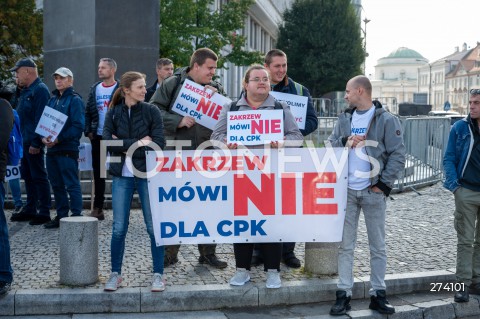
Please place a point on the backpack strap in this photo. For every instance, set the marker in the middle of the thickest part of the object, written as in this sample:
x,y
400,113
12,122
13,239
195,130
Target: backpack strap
x,y
234,107
299,88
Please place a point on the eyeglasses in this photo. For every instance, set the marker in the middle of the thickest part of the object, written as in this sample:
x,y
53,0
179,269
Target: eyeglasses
x,y
259,80
475,91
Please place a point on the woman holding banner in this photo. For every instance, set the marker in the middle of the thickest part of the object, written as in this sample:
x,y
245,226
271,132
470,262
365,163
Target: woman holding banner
x,y
256,97
134,126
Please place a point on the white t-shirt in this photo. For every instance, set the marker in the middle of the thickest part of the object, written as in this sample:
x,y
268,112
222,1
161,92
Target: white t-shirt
x,y
360,122
103,95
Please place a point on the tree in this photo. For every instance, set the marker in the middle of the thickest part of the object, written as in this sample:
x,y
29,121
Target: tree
x,y
186,25
323,44
21,34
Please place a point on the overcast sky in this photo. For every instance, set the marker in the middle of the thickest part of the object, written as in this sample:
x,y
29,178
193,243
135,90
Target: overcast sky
x,y
432,28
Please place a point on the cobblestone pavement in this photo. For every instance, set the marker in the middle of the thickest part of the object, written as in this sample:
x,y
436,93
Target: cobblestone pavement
x,y
420,237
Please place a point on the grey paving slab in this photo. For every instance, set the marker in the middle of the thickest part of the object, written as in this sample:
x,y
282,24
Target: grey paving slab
x,y
437,309
7,304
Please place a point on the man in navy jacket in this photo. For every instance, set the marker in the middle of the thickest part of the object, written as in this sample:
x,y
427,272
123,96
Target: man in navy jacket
x,y
276,64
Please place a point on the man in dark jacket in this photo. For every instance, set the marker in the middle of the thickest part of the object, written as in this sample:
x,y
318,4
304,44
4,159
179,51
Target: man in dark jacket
x,y
6,123
97,106
203,64
33,98
164,70
62,152
462,177
276,64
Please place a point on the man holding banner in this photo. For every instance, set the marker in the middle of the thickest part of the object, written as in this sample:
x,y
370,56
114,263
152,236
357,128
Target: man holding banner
x,y
184,131
276,64
62,151
376,158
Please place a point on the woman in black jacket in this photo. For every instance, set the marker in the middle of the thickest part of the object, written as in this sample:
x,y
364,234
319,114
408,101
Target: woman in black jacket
x,y
134,126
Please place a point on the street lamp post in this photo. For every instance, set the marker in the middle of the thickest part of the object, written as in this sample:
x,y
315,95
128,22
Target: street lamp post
x,y
365,21
429,82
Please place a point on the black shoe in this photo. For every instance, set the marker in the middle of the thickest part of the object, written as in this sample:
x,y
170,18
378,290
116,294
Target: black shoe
x,y
474,289
54,223
169,260
293,262
380,303
39,220
212,260
256,261
462,295
21,216
342,304
4,287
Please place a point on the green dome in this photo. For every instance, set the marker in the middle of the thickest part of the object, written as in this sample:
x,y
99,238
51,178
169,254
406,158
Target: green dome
x,y
403,52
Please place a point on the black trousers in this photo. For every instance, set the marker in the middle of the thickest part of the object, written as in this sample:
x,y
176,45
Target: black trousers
x,y
96,164
271,253
287,251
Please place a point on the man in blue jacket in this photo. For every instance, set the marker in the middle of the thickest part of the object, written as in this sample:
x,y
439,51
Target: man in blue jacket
x,y
462,177
276,64
62,151
33,98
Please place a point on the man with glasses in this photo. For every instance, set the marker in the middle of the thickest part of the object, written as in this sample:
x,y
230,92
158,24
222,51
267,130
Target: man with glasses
x,y
462,177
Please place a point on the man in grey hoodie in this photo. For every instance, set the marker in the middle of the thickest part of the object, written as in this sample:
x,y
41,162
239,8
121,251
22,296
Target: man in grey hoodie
x,y
376,157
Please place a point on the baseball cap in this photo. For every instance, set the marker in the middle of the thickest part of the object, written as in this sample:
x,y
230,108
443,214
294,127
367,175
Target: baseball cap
x,y
63,72
23,62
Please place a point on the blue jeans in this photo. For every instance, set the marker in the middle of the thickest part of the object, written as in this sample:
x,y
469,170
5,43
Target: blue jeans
x,y
6,272
36,183
63,176
14,185
122,194
373,206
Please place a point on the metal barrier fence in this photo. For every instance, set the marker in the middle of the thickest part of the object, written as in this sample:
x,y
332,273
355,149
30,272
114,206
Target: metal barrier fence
x,y
425,142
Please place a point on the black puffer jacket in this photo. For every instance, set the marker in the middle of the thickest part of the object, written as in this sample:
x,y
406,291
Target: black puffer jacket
x,y
144,120
6,123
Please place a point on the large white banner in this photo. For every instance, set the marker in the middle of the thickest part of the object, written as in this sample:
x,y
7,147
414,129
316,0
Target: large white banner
x,y
260,195
203,105
298,106
51,123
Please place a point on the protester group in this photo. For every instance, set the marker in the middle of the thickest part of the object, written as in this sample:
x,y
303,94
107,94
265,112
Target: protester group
x,y
125,110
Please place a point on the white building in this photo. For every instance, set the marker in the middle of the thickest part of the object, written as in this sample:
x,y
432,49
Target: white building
x,y
396,77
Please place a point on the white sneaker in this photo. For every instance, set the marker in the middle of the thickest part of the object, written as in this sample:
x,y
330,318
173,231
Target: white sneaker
x,y
273,279
158,284
240,278
113,282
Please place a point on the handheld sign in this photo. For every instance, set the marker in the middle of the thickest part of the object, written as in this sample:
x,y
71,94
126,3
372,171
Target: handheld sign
x,y
85,157
51,123
255,127
12,172
203,105
298,106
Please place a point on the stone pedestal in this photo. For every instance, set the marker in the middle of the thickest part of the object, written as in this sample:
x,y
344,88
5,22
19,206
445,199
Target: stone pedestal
x,y
321,258
78,250
76,34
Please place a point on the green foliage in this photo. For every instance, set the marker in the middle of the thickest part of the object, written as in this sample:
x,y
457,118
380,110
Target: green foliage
x,y
21,34
187,25
323,43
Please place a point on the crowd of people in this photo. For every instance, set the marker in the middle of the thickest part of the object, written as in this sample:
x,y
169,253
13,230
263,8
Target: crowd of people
x,y
128,112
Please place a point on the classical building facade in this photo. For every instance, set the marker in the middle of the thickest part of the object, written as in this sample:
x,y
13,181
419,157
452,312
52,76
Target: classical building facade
x,y
396,77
